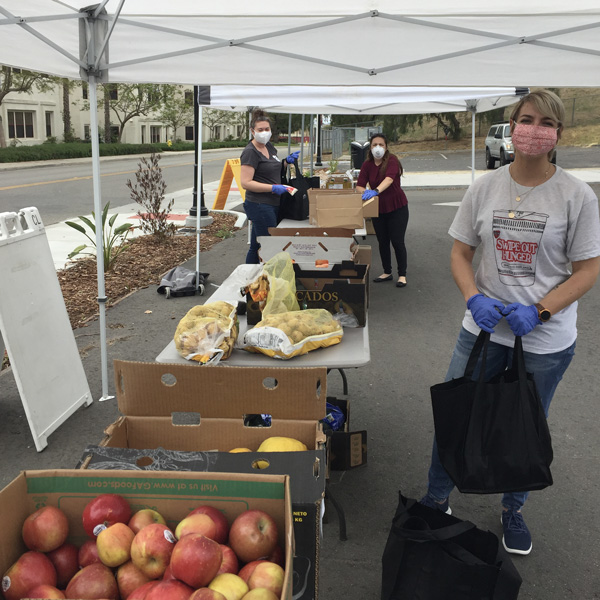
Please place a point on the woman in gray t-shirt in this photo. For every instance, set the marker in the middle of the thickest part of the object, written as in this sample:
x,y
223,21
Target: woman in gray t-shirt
x,y
539,234
261,178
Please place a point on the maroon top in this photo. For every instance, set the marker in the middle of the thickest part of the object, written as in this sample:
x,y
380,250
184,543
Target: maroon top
x,y
394,197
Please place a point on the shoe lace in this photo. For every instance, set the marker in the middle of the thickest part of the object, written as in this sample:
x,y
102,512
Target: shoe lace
x,y
515,521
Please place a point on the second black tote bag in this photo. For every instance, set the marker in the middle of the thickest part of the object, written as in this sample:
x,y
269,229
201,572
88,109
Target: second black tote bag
x,y
492,436
296,207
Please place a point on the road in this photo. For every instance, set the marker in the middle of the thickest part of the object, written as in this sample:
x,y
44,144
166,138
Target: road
x,y
64,190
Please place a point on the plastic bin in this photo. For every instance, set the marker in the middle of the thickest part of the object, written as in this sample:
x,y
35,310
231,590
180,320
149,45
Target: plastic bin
x,y
358,153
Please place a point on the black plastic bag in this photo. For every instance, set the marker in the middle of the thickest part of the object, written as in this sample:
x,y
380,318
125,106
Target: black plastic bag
x,y
180,281
430,555
492,436
296,207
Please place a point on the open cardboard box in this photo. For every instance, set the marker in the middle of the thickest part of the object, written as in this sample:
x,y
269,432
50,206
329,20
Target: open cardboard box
x,y
183,418
340,208
346,449
172,494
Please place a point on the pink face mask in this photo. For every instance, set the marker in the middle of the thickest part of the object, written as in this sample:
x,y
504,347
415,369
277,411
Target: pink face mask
x,y
534,140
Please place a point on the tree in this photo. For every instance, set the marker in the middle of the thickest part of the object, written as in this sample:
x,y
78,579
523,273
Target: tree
x,y
177,111
212,117
396,125
18,80
127,101
449,123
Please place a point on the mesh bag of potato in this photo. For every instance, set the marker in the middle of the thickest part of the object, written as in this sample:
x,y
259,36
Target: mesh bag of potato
x,y
293,333
275,287
207,333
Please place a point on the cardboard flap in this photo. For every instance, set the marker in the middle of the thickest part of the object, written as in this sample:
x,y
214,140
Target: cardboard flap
x,y
310,232
345,270
370,208
307,249
155,389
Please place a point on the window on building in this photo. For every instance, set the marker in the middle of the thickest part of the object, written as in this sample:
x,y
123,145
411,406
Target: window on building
x,y
216,132
240,129
113,92
49,123
114,133
155,94
20,124
155,134
189,98
143,134
189,133
86,132
84,90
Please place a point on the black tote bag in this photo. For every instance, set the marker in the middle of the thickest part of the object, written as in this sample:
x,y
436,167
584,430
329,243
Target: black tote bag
x,y
493,436
296,207
430,555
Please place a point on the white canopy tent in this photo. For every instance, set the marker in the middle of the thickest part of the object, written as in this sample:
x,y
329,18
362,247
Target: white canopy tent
x,y
336,43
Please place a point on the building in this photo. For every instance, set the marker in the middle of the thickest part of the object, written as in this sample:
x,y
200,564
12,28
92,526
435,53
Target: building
x,y
31,119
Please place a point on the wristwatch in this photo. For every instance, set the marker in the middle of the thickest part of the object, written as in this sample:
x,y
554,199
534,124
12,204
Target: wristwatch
x,y
376,190
543,313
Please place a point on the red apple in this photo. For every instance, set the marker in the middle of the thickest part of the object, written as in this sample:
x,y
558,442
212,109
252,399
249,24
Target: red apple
x,y
88,553
169,590
167,574
114,544
277,556
140,593
253,535
31,568
151,549
93,581
196,560
207,594
105,509
129,578
260,594
267,575
66,562
48,592
46,529
198,523
219,519
143,517
231,586
248,569
230,563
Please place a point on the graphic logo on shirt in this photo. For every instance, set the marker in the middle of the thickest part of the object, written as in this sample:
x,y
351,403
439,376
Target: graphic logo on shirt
x,y
516,244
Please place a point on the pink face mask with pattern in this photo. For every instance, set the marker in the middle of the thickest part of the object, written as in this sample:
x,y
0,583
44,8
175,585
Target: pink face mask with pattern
x,y
534,140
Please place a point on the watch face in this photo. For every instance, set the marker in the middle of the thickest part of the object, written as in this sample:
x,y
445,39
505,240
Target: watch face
x,y
545,315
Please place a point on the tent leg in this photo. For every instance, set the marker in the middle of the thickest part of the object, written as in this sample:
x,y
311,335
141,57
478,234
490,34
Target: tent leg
x,y
472,146
99,234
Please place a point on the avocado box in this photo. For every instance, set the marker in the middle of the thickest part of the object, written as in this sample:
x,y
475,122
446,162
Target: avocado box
x,y
172,494
179,417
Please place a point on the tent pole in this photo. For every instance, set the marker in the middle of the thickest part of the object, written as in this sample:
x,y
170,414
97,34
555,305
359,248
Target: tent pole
x,y
198,187
302,145
289,134
311,145
473,146
99,233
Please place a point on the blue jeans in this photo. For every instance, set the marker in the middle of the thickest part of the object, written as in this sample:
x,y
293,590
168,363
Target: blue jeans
x,y
262,216
547,369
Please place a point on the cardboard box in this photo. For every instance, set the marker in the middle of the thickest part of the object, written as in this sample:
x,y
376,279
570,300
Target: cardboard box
x,y
329,208
173,494
308,472
346,449
339,181
180,415
343,288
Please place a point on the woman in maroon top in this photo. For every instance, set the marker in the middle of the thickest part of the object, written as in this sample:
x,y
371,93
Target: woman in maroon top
x,y
381,171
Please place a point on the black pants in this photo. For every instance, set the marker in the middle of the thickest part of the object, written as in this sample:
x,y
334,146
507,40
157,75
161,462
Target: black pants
x,y
390,229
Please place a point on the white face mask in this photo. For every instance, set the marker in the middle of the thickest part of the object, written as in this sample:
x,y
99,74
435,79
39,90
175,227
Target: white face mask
x,y
262,136
378,152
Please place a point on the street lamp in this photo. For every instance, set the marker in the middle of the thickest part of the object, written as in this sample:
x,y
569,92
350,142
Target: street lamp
x,y
197,141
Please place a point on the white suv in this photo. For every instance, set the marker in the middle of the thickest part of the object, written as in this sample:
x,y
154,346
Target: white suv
x,y
498,145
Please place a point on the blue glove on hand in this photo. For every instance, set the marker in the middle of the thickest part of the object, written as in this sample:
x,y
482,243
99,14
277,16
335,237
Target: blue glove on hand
x,y
521,319
293,157
484,311
279,189
368,194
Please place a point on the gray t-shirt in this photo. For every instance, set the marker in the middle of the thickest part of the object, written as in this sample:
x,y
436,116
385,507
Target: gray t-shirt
x,y
266,170
524,257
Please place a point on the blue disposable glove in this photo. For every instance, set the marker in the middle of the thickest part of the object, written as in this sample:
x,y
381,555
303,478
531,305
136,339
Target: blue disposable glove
x,y
486,311
293,157
521,319
368,194
279,189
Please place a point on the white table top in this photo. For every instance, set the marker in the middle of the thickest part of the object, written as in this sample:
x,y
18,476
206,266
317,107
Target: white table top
x,y
352,351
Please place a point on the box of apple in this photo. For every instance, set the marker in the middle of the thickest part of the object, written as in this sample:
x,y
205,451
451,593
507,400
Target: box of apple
x,y
142,554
